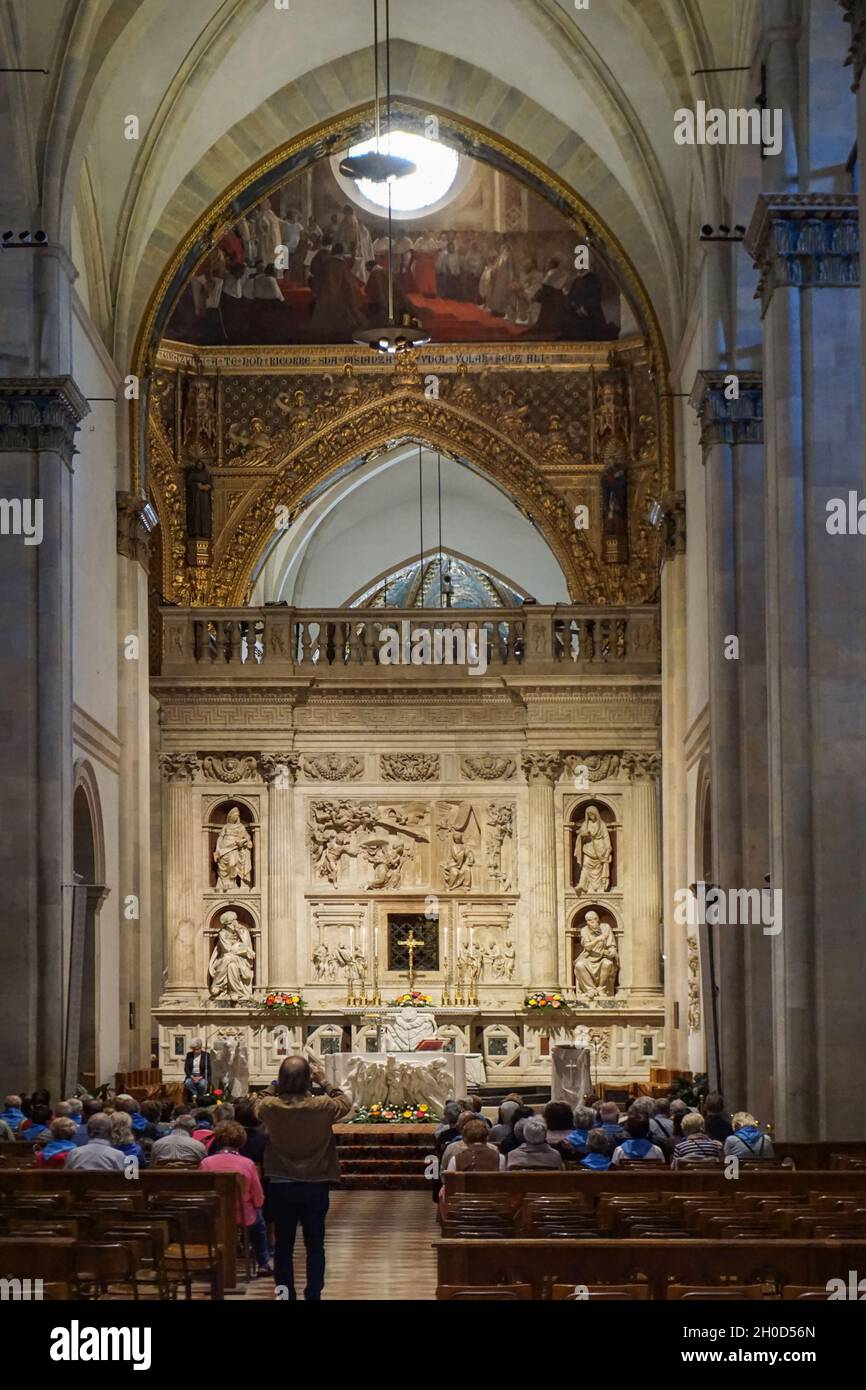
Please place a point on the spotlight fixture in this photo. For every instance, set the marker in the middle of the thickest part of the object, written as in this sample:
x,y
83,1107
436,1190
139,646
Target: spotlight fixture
x,y
722,233
24,239
393,338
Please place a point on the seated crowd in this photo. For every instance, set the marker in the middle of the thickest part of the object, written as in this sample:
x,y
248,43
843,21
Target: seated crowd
x,y
92,1135
596,1136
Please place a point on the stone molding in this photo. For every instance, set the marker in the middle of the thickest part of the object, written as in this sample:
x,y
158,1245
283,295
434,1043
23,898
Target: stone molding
x,y
41,415
229,767
330,767
804,241
855,13
726,421
488,768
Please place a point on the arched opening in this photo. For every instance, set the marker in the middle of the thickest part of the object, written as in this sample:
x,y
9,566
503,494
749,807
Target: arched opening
x,y
81,1042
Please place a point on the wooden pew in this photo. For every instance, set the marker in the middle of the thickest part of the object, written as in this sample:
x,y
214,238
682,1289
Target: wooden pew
x,y
638,1181
543,1263
153,1181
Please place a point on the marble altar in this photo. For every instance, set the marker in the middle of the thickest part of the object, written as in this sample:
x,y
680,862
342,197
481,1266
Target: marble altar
x,y
370,1078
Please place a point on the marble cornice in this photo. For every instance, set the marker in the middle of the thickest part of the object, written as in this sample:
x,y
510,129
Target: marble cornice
x,y
804,241
724,421
40,415
855,13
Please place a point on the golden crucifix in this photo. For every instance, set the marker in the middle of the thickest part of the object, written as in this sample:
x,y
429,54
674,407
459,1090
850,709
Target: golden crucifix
x,y
412,942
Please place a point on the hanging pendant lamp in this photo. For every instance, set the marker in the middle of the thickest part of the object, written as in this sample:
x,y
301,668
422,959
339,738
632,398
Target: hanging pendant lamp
x,y
392,338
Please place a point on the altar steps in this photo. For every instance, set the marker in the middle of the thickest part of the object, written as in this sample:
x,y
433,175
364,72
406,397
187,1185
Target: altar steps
x,y
376,1157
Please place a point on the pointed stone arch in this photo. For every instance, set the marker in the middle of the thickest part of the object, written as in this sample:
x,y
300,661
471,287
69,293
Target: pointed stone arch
x,y
407,413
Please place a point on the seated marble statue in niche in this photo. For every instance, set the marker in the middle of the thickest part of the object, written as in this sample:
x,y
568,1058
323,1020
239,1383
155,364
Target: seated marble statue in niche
x,y
233,854
232,961
592,854
597,965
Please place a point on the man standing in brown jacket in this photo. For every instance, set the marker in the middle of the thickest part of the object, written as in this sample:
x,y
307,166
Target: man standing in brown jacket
x,y
300,1165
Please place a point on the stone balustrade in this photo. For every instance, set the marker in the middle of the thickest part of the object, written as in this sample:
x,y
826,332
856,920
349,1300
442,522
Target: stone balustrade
x,y
282,642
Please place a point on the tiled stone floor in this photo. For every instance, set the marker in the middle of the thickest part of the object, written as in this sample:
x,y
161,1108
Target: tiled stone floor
x,y
379,1247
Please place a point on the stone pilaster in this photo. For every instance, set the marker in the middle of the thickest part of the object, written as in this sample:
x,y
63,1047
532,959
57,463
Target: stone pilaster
x,y
38,420
855,13
133,528
644,877
181,845
806,248
542,772
280,771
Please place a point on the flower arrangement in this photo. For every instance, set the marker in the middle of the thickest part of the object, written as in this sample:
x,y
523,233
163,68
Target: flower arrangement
x,y
387,1114
284,1004
538,1000
414,1000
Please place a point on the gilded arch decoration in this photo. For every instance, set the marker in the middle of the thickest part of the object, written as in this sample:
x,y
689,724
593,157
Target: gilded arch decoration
x,y
307,435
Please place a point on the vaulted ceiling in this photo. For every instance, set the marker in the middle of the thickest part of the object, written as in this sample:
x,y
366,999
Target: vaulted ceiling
x,y
219,84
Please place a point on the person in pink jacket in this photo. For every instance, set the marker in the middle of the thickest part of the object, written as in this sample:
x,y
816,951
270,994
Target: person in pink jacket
x,y
225,1157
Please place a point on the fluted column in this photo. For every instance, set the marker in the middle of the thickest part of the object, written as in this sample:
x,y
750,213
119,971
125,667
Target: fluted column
x,y
643,870
280,771
542,771
181,842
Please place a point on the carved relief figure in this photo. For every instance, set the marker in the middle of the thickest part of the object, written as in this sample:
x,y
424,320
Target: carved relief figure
x,y
595,969
387,858
232,960
407,1027
500,826
694,986
592,853
501,958
457,870
232,856
323,962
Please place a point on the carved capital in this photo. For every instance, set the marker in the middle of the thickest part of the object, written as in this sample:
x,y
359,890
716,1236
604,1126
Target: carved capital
x,y
542,767
641,767
133,531
855,13
279,769
179,767
724,420
40,415
804,241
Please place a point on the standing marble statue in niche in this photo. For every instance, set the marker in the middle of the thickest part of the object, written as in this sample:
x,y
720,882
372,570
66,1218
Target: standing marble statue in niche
x,y
592,853
595,969
233,854
232,960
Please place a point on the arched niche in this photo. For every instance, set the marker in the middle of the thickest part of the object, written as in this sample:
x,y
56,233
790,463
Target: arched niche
x,y
88,860
592,865
227,835
248,919
608,918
